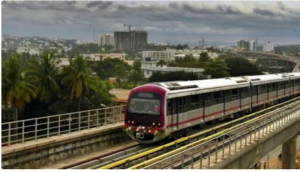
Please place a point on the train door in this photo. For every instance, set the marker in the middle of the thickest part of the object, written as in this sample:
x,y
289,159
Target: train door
x,y
174,116
182,113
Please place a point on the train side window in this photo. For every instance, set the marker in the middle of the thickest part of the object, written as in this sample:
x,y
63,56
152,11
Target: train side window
x,y
170,107
227,95
259,89
235,94
287,84
254,90
245,92
196,102
182,104
207,99
280,85
272,87
295,83
263,89
217,97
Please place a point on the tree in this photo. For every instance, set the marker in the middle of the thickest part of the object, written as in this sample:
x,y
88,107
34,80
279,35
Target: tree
x,y
161,63
47,73
204,57
79,77
16,87
121,74
105,68
241,67
216,68
210,49
187,61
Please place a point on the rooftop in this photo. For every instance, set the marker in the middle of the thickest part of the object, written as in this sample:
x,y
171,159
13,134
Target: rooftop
x,y
171,69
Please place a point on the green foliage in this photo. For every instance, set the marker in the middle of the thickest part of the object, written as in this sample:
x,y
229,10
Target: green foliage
x,y
210,49
216,68
105,68
78,76
173,76
84,49
121,74
241,67
179,46
204,57
46,73
17,89
7,54
187,61
161,63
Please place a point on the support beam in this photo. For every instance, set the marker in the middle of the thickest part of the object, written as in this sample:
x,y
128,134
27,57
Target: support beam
x,y
289,151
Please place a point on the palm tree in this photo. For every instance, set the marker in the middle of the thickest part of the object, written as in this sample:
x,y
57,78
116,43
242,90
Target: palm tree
x,y
47,73
17,87
79,77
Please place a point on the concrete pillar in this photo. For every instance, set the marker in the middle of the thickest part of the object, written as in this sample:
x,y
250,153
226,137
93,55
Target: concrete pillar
x,y
289,154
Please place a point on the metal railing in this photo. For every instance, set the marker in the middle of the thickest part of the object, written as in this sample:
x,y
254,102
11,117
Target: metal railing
x,y
205,155
32,129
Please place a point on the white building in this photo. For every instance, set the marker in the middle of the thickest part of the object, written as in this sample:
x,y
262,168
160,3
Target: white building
x,y
159,55
106,39
252,45
150,67
268,47
171,54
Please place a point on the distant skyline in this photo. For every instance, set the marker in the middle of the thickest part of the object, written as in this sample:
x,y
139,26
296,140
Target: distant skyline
x,y
174,22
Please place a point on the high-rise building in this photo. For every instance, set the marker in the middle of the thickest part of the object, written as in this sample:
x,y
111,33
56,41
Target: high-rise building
x,y
106,39
252,45
241,44
133,40
246,45
268,47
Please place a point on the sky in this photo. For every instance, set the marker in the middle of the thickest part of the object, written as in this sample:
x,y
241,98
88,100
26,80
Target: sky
x,y
168,21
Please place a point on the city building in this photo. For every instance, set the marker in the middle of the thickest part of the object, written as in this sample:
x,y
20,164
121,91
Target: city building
x,y
171,54
106,39
148,68
158,55
148,71
268,47
133,40
246,45
252,45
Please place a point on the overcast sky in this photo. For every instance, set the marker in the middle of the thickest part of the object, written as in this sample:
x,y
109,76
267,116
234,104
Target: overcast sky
x,y
169,21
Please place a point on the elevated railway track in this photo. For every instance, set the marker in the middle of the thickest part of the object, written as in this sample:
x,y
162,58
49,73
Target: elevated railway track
x,y
146,158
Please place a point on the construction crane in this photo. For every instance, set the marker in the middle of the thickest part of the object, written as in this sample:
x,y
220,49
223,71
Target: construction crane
x,y
129,26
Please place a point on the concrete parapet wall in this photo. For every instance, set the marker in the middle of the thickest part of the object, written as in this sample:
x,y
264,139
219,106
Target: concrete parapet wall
x,y
247,157
51,150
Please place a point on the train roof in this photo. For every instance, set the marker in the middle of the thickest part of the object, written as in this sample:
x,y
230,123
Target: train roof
x,y
257,79
205,84
294,75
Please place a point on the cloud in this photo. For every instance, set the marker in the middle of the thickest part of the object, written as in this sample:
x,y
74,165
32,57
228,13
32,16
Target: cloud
x,y
99,4
264,12
233,19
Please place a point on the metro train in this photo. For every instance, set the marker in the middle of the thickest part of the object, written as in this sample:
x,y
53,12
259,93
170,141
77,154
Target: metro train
x,y
157,111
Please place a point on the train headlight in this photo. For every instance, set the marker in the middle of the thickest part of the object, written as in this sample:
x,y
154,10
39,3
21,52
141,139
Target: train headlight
x,y
158,124
153,123
132,122
128,121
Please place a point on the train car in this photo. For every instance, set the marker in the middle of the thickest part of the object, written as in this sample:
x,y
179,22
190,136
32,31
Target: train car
x,y
168,110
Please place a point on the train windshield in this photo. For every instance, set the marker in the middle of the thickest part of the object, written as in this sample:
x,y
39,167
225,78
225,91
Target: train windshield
x,y
145,103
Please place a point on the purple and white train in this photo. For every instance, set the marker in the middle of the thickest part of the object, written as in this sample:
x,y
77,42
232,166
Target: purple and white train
x,y
156,111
